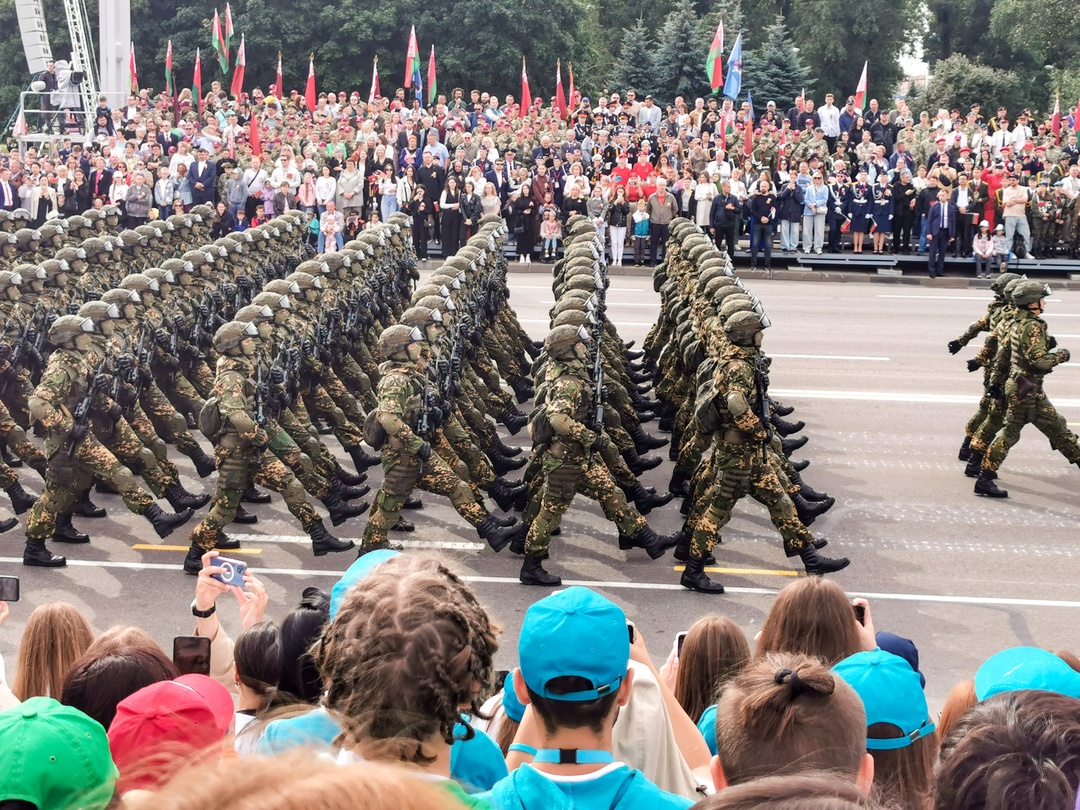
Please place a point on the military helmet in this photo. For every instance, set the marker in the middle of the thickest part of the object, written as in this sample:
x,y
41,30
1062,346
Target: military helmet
x,y
140,283
178,266
1001,281
52,228
561,340
717,284
99,311
734,305
78,222
202,213
573,317
305,281
1028,292
335,260
420,316
1011,286
31,271
199,257
120,296
232,334
71,254
746,323
180,222
25,237
111,214
282,286
20,214
148,232
397,338
160,275
54,267
273,300
94,246
435,302
130,238
314,268
229,245
254,312
67,327
10,278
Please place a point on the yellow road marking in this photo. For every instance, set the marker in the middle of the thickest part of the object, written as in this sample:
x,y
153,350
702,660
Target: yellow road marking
x,y
767,572
229,552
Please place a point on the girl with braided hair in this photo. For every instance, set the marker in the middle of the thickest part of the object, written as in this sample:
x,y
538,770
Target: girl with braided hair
x,y
405,654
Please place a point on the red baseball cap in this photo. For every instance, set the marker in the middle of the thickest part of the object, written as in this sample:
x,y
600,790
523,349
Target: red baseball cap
x,y
217,697
163,724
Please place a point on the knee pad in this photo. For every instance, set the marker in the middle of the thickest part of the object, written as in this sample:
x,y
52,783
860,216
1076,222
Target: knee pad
x,y
294,491
148,459
158,447
306,463
16,436
462,494
177,424
123,480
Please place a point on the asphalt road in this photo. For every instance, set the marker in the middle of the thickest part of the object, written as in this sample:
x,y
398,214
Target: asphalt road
x,y
885,405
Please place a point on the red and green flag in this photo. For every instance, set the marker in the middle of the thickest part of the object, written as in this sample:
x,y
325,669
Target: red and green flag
x,y
220,48
432,89
170,85
238,71
412,59
229,33
714,65
196,81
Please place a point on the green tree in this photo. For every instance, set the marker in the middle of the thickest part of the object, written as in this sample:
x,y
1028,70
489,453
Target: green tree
x,y
679,59
958,82
774,71
632,69
835,37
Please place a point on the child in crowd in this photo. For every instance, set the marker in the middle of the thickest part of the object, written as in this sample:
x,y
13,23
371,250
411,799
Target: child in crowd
x,y
267,197
983,248
641,233
550,232
1001,249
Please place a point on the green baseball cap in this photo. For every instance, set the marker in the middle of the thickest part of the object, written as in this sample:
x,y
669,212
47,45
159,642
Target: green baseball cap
x,y
55,757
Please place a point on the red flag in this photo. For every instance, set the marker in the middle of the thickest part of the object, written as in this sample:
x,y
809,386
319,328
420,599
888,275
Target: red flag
x,y
714,65
860,91
133,71
196,81
1055,121
526,96
412,58
238,72
748,133
253,135
570,96
309,91
560,97
375,93
1076,118
279,85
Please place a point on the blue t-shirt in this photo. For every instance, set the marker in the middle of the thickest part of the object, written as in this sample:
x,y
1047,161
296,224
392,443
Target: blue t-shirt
x,y
614,786
476,764
707,726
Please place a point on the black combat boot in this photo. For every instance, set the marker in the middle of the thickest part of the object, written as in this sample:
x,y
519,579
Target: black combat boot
x,y
504,493
785,428
252,495
347,493
244,517
791,445
666,423
204,464
21,500
974,464
105,487
498,537
413,502
179,498
225,543
193,560
655,545
84,507
533,573
680,484
322,542
644,442
634,354
695,578
164,522
65,532
965,449
986,487
514,419
385,545
361,459
36,555
809,492
682,548
9,458
349,479
782,410
816,565
522,389
341,511
800,465
637,464
403,525
503,464
8,525
808,511
646,501
507,450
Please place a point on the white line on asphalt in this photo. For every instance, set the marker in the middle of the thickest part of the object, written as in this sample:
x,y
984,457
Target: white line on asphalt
x,y
830,357
548,288
547,322
638,586
895,396
946,297
303,540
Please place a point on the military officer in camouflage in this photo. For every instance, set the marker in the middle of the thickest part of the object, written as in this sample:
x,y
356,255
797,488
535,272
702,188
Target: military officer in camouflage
x,y
398,427
61,403
1034,355
235,419
740,462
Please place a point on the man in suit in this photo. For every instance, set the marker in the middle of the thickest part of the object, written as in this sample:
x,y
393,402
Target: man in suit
x,y
9,195
940,229
203,178
497,177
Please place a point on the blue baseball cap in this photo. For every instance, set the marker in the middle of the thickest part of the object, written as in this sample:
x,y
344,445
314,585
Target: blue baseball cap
x,y
356,572
575,632
1025,668
513,707
891,693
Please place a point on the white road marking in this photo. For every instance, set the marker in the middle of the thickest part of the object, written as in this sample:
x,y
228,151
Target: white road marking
x,y
632,586
947,297
831,357
304,540
547,322
896,396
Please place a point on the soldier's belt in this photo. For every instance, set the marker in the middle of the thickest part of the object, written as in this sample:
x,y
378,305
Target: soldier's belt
x,y
734,436
566,450
230,441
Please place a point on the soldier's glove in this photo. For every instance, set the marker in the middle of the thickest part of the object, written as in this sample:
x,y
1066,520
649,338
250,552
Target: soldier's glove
x,y
125,363
294,356
178,322
1063,355
34,356
277,376
127,396
334,315
50,319
5,352
115,412
102,382
73,308
261,439
77,434
93,295
424,451
1051,343
190,351
436,416
973,365
245,283
31,335
204,312
954,346
599,442
162,337
455,366
994,391
325,356
146,375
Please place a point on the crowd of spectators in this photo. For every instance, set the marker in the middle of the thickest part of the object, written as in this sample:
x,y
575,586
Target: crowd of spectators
x,y
828,175
383,693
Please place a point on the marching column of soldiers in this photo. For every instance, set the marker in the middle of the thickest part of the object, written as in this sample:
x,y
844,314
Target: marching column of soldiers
x,y
1015,358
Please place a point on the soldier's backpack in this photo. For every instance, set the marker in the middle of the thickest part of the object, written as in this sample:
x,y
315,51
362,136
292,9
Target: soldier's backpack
x,y
209,421
374,432
707,415
540,428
